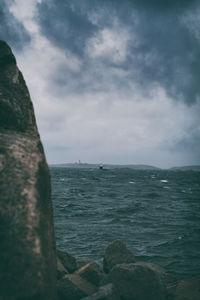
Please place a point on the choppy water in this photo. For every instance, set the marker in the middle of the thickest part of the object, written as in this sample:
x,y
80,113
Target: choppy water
x,y
157,214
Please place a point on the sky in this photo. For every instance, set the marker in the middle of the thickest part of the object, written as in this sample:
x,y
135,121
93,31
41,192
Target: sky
x,y
111,81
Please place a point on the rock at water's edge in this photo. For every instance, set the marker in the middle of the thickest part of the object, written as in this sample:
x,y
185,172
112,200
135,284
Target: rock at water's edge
x,y
116,253
68,261
134,281
61,271
169,280
27,245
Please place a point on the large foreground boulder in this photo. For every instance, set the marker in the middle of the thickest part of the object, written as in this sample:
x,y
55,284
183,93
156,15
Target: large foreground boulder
x,y
73,287
169,280
27,245
138,282
116,253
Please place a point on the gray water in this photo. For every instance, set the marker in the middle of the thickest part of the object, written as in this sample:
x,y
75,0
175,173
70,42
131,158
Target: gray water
x,y
156,213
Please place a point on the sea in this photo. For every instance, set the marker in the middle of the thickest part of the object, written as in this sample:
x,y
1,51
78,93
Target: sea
x,y
155,212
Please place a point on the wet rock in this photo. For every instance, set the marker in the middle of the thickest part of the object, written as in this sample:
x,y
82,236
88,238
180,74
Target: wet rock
x,y
188,289
27,251
73,287
116,253
68,261
106,292
138,282
91,272
169,280
61,271
105,280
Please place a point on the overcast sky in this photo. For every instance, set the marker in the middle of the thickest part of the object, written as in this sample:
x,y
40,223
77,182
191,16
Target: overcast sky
x,y
111,81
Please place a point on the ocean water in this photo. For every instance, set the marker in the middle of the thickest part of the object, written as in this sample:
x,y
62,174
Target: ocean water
x,y
156,213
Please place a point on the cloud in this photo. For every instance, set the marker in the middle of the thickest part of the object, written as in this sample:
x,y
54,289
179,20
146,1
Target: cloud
x,y
162,5
191,20
161,47
11,30
109,44
116,82
65,25
127,131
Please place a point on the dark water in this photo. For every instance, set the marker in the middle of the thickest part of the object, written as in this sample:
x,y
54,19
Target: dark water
x,y
157,214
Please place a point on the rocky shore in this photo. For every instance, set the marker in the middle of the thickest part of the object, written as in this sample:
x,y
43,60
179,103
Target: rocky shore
x,y
119,277
30,266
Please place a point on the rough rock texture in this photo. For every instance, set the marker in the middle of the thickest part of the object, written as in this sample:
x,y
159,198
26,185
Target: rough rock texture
x,y
83,261
73,287
68,261
188,289
27,246
91,272
169,280
116,253
134,281
61,271
106,292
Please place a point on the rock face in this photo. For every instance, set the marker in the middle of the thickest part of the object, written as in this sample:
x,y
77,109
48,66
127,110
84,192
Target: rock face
x,y
27,245
116,253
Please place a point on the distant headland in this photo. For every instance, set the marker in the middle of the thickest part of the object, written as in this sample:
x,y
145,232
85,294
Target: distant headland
x,y
129,166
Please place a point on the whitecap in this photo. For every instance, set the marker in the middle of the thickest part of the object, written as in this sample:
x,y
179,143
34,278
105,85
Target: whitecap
x,y
164,180
62,179
132,182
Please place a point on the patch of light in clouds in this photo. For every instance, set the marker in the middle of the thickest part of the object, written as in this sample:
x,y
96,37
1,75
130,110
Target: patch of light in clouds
x,y
39,60
109,43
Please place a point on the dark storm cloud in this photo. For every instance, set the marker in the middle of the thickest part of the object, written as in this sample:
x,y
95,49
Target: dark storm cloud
x,y
167,51
164,5
168,54
65,25
11,30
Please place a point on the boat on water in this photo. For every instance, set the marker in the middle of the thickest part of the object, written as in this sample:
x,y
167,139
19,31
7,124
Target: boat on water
x,y
100,167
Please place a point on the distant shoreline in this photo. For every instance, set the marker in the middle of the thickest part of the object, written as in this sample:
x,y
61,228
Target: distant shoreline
x,y
134,167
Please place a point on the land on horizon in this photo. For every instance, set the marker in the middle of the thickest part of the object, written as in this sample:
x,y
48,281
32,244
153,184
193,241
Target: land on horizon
x,y
131,166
